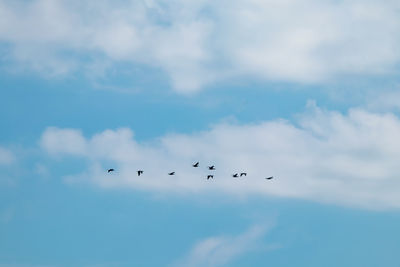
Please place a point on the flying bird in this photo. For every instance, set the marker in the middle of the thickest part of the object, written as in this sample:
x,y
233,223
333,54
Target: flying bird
x,y
110,170
243,173
269,178
210,176
171,173
211,167
235,175
139,172
196,165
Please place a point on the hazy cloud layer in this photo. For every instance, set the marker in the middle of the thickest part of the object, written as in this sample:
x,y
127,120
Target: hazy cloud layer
x,y
347,159
197,43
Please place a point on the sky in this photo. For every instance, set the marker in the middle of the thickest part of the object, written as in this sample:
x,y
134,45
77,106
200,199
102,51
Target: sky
x,y
305,91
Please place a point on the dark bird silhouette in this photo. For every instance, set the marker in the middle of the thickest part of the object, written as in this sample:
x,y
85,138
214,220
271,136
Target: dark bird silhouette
x,y
235,175
196,165
171,173
139,172
211,167
110,170
243,173
210,176
269,178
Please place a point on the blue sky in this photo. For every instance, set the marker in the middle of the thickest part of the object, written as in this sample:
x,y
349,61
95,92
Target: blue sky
x,y
305,91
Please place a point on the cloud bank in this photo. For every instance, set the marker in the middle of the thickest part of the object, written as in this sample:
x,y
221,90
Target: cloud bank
x,y
325,156
198,43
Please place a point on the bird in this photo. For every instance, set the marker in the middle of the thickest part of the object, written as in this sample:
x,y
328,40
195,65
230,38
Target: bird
x,y
171,173
110,170
139,172
196,165
269,178
211,167
235,175
210,176
243,173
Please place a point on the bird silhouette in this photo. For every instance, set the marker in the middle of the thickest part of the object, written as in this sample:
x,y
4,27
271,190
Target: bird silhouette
x,y
171,173
196,165
139,172
243,173
235,175
211,167
269,178
110,170
210,176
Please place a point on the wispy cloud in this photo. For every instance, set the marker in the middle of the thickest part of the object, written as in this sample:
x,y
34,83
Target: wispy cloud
x,y
326,156
388,100
220,250
197,43
7,157
41,170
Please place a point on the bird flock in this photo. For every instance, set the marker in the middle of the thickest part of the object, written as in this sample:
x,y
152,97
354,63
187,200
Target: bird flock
x,y
209,176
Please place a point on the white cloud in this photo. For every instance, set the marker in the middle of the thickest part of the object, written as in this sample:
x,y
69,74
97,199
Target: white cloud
x,y
197,43
220,250
6,157
347,159
66,141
